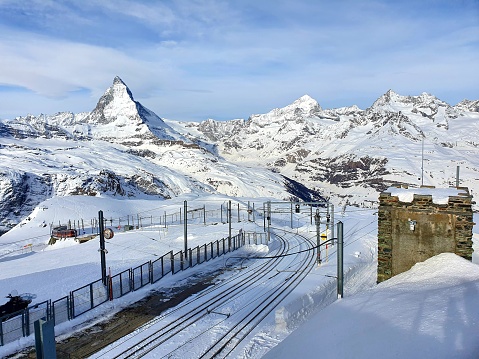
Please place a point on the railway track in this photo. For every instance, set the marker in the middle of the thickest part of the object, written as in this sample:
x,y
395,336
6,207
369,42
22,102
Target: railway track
x,y
215,322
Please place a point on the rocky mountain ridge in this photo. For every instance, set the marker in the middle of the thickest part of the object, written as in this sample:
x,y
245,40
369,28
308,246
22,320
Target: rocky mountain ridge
x,y
302,151
119,149
366,150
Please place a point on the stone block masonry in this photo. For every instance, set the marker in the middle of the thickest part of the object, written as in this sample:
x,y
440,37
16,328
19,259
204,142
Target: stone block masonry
x,y
413,230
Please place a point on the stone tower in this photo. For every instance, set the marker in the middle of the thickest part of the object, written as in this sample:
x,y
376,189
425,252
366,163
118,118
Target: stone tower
x,y
419,223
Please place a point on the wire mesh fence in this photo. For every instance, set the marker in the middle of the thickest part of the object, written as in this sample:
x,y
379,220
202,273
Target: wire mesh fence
x,y
88,297
11,328
92,295
61,310
160,267
141,275
34,313
155,219
120,284
21,323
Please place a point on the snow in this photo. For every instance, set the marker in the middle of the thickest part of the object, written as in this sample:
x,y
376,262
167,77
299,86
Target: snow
x,y
439,195
429,311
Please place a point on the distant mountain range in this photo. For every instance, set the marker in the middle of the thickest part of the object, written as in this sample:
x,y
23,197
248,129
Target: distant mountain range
x,y
300,151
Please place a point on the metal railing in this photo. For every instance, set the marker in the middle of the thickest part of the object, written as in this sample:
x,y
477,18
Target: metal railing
x,y
81,300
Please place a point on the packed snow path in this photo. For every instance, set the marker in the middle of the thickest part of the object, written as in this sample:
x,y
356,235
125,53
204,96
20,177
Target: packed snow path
x,y
214,323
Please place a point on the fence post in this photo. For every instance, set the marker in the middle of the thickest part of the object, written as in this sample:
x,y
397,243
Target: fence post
x,y
1,334
26,317
92,302
72,306
131,280
49,310
162,267
185,228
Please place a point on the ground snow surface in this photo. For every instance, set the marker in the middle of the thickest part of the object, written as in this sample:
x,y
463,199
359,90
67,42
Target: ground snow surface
x,y
429,311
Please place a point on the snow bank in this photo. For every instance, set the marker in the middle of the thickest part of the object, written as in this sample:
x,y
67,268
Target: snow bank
x,y
430,311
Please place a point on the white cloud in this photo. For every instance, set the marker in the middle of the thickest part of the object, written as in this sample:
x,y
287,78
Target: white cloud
x,y
228,58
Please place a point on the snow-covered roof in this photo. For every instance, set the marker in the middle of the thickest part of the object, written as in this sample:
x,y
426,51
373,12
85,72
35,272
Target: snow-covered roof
x,y
439,195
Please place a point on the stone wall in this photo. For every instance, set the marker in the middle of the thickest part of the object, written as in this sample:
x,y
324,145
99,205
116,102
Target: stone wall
x,y
411,232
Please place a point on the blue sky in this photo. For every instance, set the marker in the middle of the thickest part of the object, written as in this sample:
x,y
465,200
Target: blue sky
x,y
199,59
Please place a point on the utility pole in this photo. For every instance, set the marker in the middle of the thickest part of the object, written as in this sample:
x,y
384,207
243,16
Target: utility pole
x,y
340,259
291,214
422,162
264,217
185,227
332,221
317,220
229,225
102,249
457,177
268,218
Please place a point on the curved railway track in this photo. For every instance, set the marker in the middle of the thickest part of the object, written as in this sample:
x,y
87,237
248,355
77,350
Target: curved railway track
x,y
215,322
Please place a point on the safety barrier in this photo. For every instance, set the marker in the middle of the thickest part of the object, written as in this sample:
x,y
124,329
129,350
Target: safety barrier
x,y
88,297
21,324
92,295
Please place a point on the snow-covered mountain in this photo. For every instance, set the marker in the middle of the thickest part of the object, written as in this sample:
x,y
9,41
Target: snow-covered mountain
x,y
119,149
301,150
349,153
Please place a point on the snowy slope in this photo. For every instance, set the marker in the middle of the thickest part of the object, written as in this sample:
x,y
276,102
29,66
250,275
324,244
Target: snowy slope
x,y
347,154
119,149
350,154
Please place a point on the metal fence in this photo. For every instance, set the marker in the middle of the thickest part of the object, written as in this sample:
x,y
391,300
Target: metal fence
x,y
21,324
255,238
141,275
161,267
88,297
61,310
155,219
120,284
84,299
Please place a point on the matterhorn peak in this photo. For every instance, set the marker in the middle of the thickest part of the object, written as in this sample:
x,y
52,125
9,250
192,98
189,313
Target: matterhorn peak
x,y
117,102
118,80
119,113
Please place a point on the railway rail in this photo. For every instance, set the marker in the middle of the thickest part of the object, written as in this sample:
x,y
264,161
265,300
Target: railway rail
x,y
216,322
